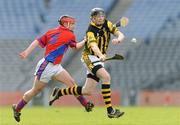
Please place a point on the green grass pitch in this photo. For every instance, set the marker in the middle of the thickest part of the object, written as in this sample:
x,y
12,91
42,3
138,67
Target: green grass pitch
x,y
77,116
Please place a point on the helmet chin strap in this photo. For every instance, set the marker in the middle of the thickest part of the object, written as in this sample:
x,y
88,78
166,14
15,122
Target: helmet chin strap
x,y
68,25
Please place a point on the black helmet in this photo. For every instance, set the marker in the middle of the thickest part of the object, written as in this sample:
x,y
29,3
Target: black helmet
x,y
96,11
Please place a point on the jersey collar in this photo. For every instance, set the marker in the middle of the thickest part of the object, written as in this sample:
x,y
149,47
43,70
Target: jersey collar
x,y
93,24
63,28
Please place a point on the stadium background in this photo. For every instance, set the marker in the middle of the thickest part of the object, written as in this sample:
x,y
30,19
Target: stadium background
x,y
150,74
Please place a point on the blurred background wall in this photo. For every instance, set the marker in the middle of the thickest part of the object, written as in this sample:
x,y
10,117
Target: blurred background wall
x,y
150,74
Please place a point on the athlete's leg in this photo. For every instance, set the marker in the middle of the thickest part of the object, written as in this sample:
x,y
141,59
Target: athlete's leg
x,y
87,89
106,93
75,90
66,78
37,87
89,86
105,78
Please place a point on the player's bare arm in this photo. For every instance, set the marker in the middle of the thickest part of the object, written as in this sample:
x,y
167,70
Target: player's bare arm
x,y
124,21
96,50
119,37
24,54
80,44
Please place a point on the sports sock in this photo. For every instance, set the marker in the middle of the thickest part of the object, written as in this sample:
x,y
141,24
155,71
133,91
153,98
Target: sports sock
x,y
21,105
82,100
75,90
106,93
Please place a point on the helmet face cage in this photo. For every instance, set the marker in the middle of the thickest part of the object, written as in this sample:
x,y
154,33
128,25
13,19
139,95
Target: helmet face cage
x,y
97,11
66,18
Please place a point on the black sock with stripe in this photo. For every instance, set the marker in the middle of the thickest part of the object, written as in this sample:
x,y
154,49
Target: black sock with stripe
x,y
75,90
106,93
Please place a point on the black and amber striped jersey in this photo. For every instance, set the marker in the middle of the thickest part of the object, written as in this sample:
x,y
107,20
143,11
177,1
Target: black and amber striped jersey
x,y
99,35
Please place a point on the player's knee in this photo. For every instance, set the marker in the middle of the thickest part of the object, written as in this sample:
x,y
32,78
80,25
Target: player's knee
x,y
106,78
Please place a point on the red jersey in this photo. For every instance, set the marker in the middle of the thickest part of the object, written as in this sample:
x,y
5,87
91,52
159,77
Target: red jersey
x,y
56,42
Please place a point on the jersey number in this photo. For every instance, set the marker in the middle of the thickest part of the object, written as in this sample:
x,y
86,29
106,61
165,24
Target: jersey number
x,y
54,38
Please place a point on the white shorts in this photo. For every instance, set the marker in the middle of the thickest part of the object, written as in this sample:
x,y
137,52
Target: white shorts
x,y
88,60
46,70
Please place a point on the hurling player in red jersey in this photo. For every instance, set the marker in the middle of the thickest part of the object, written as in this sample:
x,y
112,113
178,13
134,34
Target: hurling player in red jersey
x,y
56,41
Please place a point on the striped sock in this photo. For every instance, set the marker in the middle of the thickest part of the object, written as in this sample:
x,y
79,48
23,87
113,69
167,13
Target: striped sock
x,y
21,105
75,90
82,100
106,93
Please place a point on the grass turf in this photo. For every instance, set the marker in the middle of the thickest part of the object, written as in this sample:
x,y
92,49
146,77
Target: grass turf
x,y
77,116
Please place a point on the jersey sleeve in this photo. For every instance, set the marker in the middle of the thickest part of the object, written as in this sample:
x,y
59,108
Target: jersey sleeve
x,y
112,28
90,38
42,40
73,43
